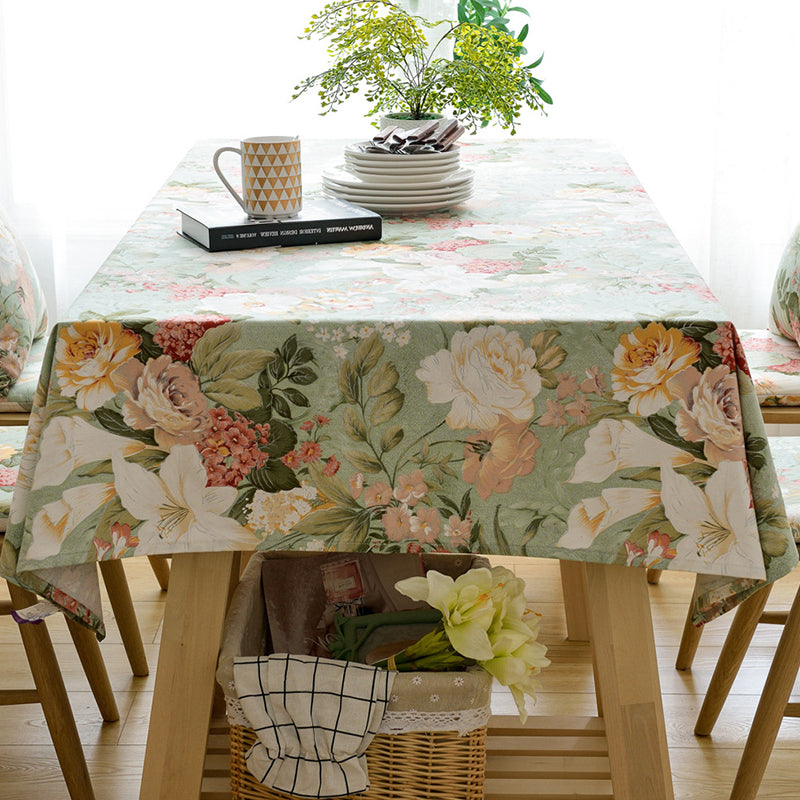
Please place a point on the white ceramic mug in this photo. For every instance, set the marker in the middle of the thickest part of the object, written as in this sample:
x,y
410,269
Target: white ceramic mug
x,y
272,185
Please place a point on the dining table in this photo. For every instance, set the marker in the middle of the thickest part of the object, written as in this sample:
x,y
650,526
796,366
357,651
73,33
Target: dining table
x,y
539,371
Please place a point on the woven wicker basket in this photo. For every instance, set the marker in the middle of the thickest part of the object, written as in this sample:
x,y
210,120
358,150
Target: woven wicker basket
x,y
434,765
416,765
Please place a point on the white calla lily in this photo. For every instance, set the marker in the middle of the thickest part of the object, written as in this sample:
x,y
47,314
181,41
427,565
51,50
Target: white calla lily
x,y
178,511
613,445
593,515
70,442
484,620
466,607
719,522
53,523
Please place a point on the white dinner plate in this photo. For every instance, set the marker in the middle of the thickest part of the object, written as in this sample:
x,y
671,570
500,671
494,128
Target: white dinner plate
x,y
396,158
411,195
399,174
401,163
345,178
408,207
404,180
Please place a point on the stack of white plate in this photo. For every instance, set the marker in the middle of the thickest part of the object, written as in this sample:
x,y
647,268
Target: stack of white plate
x,y
399,184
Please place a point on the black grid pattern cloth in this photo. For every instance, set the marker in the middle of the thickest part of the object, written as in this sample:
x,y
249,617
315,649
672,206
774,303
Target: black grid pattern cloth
x,y
314,718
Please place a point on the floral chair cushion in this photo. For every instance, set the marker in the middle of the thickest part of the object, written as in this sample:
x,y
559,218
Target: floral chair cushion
x,y
784,312
12,440
774,363
23,390
23,313
786,455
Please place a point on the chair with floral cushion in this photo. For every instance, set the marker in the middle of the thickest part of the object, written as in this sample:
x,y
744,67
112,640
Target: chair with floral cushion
x,y
773,359
23,325
51,693
774,704
773,355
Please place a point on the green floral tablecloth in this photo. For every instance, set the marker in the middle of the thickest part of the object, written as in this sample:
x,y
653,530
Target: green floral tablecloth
x,y
538,372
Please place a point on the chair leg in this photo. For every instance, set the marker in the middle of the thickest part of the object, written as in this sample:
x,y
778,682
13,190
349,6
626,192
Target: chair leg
x,y
690,638
771,708
120,596
160,566
730,659
654,576
54,700
88,650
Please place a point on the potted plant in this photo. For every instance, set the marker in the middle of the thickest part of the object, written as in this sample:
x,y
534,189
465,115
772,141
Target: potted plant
x,y
382,47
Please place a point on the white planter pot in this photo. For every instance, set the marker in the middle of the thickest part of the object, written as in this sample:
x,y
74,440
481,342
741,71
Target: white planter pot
x,y
387,120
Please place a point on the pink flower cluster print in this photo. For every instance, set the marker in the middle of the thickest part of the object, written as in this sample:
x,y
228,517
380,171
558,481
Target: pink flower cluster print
x,y
178,337
232,448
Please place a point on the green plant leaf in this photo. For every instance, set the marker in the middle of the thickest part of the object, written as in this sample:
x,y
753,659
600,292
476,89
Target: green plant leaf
x,y
232,394
296,397
214,343
274,476
280,406
536,63
302,356
331,487
289,348
364,462
112,421
355,533
391,437
354,426
282,439
303,376
449,506
326,522
754,448
665,430
348,382
368,354
386,406
277,367
383,380
238,364
502,543
466,500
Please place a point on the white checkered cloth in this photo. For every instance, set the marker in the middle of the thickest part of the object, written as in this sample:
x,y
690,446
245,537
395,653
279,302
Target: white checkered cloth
x,y
314,718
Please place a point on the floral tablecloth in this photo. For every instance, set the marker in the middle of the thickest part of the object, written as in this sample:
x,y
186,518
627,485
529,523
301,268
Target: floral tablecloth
x,y
539,372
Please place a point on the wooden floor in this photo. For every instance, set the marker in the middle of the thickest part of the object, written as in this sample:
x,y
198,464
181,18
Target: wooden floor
x,y
703,769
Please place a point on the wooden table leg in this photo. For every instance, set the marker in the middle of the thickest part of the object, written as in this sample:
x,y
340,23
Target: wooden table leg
x,y
184,687
573,587
626,668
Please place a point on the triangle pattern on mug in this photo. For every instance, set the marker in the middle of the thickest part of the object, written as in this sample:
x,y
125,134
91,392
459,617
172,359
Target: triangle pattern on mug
x,y
271,177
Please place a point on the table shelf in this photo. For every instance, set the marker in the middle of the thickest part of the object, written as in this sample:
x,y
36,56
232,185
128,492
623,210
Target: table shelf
x,y
549,758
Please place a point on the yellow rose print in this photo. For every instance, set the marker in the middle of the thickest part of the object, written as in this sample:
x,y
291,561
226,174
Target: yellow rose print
x,y
644,361
86,355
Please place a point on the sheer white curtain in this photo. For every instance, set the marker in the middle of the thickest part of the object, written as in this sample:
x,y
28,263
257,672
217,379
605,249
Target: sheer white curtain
x,y
99,100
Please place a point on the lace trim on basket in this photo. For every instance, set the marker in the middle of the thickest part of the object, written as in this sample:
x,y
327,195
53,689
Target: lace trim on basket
x,y
462,722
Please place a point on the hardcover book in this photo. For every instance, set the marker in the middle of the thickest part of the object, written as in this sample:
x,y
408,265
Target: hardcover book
x,y
324,221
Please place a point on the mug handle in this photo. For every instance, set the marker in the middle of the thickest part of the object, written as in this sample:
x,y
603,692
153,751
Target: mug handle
x,y
223,178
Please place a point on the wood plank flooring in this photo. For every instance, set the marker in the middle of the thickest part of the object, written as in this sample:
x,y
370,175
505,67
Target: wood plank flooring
x,y
703,769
